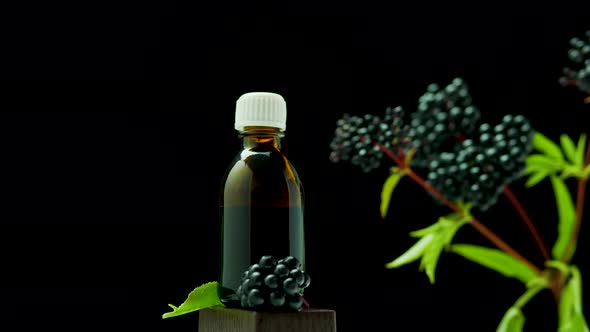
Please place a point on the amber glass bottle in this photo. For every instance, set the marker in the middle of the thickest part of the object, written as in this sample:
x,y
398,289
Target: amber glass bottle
x,y
261,200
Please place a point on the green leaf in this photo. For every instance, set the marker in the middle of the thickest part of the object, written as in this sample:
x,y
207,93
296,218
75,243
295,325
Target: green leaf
x,y
566,307
388,187
558,265
448,226
425,231
204,296
431,256
536,178
568,147
539,283
576,282
434,239
567,217
580,150
577,323
569,171
496,260
541,162
412,254
544,144
571,317
587,171
513,321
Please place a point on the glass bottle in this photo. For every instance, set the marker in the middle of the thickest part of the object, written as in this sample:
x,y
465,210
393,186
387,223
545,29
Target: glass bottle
x,y
261,200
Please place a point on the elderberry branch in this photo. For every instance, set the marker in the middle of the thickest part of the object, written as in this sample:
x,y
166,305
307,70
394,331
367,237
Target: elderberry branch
x,y
527,220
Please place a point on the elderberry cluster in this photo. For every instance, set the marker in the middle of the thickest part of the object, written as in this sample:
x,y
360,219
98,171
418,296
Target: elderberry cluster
x,y
579,53
273,284
465,160
478,169
363,139
444,118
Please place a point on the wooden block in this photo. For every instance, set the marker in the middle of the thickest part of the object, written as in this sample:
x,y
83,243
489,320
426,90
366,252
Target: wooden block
x,y
237,320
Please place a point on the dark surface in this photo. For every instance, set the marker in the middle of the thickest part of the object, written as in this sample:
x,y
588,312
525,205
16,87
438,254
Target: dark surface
x,y
110,207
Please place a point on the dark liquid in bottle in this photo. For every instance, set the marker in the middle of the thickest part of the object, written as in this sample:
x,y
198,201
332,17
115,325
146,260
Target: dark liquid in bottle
x,y
261,209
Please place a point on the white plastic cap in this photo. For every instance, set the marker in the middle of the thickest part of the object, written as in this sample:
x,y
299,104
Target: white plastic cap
x,y
263,109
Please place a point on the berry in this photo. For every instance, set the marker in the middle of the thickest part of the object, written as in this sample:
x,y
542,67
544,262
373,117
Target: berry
x,y
271,281
295,301
290,286
277,299
267,262
273,284
282,270
478,169
579,54
361,140
445,117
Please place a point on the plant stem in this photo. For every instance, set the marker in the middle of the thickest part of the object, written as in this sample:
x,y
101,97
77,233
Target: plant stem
x,y
483,230
569,252
433,191
527,220
501,244
527,296
391,155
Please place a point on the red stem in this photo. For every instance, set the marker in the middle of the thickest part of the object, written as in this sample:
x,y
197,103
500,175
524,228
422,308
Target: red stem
x,y
483,230
433,191
569,252
527,220
391,155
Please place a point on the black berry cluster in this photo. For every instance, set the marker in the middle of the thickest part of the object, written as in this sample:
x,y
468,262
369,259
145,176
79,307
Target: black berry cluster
x,y
361,139
579,53
444,118
478,169
466,160
273,284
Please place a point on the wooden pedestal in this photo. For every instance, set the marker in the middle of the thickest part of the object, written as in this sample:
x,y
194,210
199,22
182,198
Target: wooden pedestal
x,y
236,320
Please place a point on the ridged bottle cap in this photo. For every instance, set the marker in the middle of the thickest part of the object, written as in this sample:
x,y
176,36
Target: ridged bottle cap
x,y
264,109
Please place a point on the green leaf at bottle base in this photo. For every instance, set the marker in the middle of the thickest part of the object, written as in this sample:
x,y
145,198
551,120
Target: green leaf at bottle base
x,y
545,145
387,190
513,321
204,296
496,260
567,217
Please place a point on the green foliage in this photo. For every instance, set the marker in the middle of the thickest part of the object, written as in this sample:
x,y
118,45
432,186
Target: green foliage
x,y
433,239
388,187
496,260
513,321
568,147
581,149
204,296
567,217
545,145
552,161
571,317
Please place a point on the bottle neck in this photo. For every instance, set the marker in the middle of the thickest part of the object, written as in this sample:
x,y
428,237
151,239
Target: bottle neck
x,y
253,137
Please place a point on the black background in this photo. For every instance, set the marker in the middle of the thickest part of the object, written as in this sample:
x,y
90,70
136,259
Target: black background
x,y
110,187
